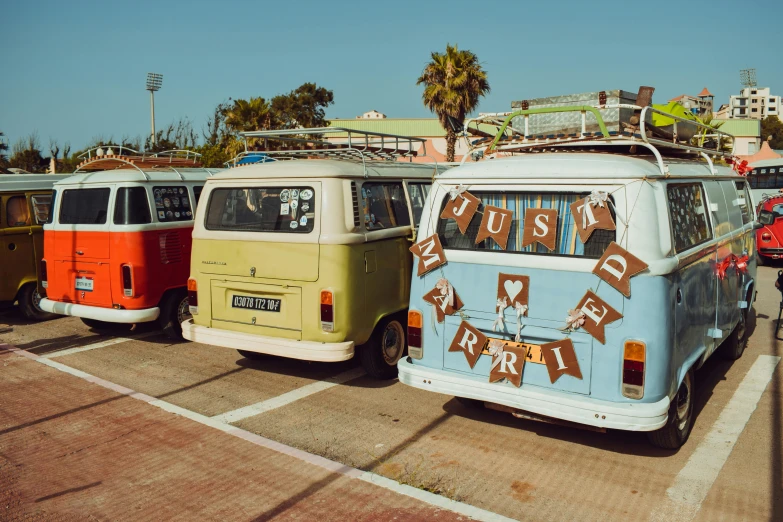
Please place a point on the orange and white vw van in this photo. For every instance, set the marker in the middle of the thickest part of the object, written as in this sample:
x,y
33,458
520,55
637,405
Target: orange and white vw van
x,y
117,247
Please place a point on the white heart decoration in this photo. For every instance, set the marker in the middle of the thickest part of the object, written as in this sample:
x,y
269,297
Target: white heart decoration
x,y
512,289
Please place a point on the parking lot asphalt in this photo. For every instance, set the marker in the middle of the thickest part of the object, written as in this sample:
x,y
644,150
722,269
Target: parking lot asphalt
x,y
218,436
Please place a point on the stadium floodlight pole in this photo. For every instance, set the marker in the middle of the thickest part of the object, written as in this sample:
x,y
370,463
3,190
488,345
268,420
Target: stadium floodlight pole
x,y
154,83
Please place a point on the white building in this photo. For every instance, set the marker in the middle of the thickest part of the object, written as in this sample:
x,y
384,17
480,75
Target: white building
x,y
372,115
754,102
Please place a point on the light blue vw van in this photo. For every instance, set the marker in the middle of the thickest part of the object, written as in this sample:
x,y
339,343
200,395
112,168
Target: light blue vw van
x,y
685,226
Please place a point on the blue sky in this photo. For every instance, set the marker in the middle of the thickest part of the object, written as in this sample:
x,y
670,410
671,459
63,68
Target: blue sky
x,y
75,70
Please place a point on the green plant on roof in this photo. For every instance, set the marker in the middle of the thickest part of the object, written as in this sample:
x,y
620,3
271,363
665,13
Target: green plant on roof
x,y
453,83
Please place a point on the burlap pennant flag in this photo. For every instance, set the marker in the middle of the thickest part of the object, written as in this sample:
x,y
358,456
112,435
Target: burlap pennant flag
x,y
444,299
469,341
430,254
461,209
508,362
560,359
540,226
597,314
495,223
513,287
589,217
617,266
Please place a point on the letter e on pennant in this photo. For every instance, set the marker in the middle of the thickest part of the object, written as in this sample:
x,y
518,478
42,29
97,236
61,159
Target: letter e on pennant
x,y
597,315
469,341
430,254
560,359
496,223
461,210
541,226
617,266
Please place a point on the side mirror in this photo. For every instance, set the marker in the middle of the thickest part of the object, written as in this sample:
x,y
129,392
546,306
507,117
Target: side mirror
x,y
766,217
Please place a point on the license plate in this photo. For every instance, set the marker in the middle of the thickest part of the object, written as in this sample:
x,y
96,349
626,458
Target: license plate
x,y
85,284
263,304
534,353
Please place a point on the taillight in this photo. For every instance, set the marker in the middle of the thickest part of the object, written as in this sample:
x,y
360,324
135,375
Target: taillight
x,y
415,321
766,237
127,281
633,369
193,296
327,311
44,275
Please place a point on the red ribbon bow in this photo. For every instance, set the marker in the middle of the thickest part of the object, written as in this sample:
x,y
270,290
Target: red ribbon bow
x,y
740,265
740,167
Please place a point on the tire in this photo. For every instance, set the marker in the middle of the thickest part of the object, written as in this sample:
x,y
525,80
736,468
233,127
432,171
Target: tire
x,y
761,260
106,326
386,346
734,346
29,298
253,356
472,404
173,312
680,421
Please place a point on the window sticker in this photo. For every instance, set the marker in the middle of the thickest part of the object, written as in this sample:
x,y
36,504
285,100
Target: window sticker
x,y
284,195
305,207
303,221
306,194
172,204
295,194
294,224
285,209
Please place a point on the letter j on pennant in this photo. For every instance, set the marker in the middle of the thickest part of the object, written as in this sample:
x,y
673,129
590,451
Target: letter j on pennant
x,y
430,254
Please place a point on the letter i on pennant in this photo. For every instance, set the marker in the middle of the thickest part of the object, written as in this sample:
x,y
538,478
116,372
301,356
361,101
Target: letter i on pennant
x,y
430,254
560,359
617,266
469,341
496,223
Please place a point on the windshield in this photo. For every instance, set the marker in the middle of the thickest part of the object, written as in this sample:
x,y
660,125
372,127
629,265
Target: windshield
x,y
262,209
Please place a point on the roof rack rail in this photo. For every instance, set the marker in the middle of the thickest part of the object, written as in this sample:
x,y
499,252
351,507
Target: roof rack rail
x,y
509,140
110,157
327,143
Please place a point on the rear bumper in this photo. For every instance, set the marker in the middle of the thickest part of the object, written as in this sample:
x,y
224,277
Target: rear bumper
x,y
109,315
771,251
566,406
305,350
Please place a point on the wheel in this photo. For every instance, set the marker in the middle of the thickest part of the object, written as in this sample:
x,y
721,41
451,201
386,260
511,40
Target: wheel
x,y
29,301
678,426
106,326
386,346
761,260
470,403
173,313
735,344
254,356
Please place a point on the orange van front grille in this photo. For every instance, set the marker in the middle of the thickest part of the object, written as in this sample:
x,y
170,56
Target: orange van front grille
x,y
170,248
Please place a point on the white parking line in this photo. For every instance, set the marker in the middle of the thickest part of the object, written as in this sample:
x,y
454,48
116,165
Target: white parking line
x,y
696,478
433,499
288,398
102,344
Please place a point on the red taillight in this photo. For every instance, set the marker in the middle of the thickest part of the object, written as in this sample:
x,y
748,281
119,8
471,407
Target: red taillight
x,y
766,237
44,275
634,357
327,311
415,321
127,281
193,296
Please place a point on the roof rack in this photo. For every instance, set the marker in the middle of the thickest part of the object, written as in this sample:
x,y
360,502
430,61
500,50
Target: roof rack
x,y
110,157
328,143
637,132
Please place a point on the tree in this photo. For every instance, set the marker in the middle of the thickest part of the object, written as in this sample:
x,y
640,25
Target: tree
x,y
178,135
453,83
27,155
3,152
772,131
302,107
250,115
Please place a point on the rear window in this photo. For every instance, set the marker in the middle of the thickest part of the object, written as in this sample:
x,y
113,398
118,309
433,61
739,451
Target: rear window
x,y
42,206
688,213
172,203
568,241
262,209
84,206
418,194
384,206
131,206
17,214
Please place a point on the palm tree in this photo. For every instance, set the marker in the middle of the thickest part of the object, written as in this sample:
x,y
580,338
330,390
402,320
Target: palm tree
x,y
453,81
251,115
707,120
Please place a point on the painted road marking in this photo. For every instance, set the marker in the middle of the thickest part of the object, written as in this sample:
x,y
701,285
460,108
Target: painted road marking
x,y
287,398
425,496
696,478
102,344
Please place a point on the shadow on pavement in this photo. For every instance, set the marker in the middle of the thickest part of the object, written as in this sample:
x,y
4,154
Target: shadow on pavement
x,y
776,477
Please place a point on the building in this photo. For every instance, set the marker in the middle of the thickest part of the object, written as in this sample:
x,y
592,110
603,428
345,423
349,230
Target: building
x,y
372,115
699,105
756,103
746,132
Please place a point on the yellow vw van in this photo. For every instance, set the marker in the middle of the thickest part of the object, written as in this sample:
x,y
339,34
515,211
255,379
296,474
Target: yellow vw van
x,y
25,201
309,259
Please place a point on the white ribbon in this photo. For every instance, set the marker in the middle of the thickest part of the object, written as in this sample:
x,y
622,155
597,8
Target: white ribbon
x,y
499,323
456,191
495,349
520,310
575,319
599,198
446,289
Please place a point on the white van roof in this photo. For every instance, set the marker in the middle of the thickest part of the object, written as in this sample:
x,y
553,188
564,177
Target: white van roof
x,y
579,165
141,176
325,168
17,182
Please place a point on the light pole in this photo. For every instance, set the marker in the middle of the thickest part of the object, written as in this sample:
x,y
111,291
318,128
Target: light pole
x,y
154,83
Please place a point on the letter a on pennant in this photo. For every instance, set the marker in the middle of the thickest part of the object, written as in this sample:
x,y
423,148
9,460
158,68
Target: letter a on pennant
x,y
597,315
496,224
441,303
617,266
430,254
469,341
560,359
461,210
509,365
592,217
541,226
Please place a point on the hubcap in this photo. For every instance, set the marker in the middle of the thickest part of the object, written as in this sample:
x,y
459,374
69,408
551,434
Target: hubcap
x,y
684,402
183,311
37,301
392,343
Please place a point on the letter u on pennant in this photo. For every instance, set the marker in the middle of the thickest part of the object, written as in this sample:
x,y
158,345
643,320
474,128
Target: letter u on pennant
x,y
496,223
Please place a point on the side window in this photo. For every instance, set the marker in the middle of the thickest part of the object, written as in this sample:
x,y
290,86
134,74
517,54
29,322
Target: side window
x,y
51,207
17,213
384,206
172,203
131,206
197,194
743,201
418,193
42,206
689,219
84,206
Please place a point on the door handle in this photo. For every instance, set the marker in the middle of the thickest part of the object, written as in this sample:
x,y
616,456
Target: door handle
x,y
80,252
